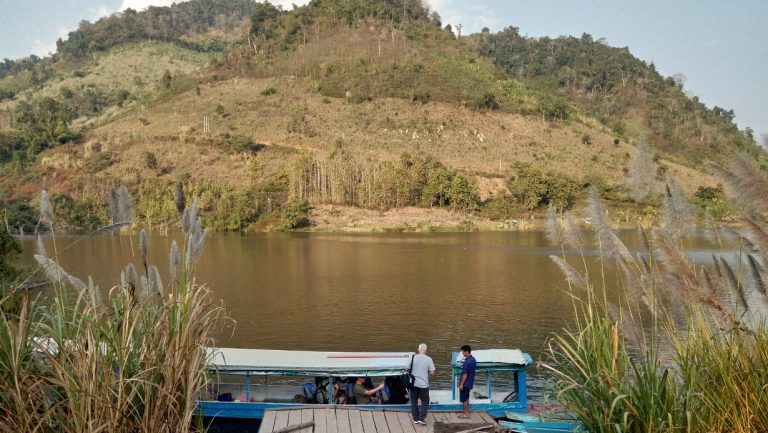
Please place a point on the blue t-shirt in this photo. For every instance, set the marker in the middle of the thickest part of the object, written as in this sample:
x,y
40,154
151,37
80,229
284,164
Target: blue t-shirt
x,y
469,368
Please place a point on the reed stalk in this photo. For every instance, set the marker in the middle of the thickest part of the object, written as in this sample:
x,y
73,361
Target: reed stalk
x,y
135,363
685,346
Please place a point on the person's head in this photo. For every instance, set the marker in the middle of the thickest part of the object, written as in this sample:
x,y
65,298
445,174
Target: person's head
x,y
361,380
466,350
423,348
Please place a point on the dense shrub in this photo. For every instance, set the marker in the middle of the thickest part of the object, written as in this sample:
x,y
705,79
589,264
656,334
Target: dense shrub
x,y
534,188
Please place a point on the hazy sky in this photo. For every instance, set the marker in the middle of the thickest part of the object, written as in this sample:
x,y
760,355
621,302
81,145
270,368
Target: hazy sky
x,y
721,46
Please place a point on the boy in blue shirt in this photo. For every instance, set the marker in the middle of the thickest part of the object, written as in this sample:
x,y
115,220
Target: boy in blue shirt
x,y
467,378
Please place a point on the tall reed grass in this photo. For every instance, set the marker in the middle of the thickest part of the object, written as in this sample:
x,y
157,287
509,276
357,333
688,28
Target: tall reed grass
x,y
132,362
684,348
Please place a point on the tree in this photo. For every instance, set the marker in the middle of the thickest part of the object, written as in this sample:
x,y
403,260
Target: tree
x,y
44,123
534,188
463,192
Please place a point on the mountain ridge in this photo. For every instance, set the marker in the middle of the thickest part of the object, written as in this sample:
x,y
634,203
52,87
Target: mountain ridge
x,y
368,89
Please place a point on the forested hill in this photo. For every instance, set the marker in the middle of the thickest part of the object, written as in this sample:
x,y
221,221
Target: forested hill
x,y
621,91
199,25
263,113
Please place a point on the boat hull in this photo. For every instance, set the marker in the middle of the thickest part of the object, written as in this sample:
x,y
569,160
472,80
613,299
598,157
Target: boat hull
x,y
239,410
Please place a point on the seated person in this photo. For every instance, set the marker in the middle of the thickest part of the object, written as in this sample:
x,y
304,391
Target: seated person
x,y
397,392
363,395
339,393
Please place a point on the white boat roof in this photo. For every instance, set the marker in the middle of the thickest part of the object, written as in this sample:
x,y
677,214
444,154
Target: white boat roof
x,y
263,361
497,356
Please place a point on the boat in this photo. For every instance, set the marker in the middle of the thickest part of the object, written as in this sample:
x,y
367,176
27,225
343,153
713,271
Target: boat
x,y
540,423
246,382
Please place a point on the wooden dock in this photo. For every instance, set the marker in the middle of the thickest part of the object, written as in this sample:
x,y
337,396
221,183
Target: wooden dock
x,y
354,420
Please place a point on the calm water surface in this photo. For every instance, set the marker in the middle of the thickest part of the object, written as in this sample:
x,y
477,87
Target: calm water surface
x,y
364,292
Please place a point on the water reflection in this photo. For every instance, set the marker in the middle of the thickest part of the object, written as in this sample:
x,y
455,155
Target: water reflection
x,y
367,292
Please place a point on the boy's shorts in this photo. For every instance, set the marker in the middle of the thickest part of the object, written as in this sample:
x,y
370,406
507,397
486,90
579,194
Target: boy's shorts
x,y
464,394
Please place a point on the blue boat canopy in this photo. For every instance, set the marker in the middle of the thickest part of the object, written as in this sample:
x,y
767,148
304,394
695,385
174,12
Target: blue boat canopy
x,y
293,362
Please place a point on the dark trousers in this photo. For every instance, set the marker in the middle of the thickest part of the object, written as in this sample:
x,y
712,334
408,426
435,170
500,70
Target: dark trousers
x,y
416,395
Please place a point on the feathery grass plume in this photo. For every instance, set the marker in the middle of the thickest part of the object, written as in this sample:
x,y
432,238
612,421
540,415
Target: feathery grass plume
x,y
56,274
600,224
155,281
747,182
553,233
756,278
94,292
678,214
631,329
195,243
711,233
670,254
572,275
610,245
756,235
174,260
630,268
571,233
179,199
729,278
645,266
46,211
643,236
40,247
121,206
131,277
143,244
640,178
186,221
189,217
146,290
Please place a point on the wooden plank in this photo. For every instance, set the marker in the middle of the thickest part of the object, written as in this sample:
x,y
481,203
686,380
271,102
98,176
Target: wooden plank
x,y
321,425
268,422
355,423
430,421
476,417
294,417
393,422
486,417
369,425
406,422
281,420
307,415
296,427
342,421
452,418
330,421
381,422
439,417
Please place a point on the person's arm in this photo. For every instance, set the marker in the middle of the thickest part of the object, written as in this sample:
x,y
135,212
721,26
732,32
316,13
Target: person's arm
x,y
463,379
374,390
432,370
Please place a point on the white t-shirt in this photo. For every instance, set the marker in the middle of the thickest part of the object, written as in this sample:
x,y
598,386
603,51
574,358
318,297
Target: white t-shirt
x,y
422,366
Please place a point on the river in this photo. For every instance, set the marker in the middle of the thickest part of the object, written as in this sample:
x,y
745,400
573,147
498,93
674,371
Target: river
x,y
363,292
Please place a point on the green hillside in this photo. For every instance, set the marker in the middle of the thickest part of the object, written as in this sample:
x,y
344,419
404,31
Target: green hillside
x,y
622,92
367,104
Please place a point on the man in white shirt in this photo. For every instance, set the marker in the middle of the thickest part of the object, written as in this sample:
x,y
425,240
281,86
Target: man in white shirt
x,y
423,367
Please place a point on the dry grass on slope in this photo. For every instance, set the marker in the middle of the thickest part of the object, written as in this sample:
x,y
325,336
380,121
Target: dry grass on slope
x,y
294,116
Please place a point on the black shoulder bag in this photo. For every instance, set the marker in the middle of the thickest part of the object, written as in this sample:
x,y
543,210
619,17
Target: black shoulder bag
x,y
408,378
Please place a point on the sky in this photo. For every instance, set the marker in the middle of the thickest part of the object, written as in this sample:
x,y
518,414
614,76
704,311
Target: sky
x,y
720,46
